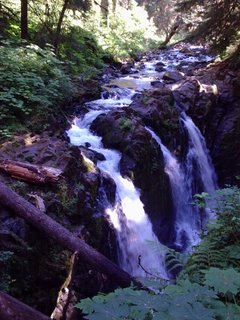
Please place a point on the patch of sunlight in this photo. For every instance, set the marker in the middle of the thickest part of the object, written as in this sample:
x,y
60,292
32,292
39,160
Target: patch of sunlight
x,y
208,88
89,164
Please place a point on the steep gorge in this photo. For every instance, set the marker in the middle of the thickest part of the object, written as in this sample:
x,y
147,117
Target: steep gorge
x,y
153,94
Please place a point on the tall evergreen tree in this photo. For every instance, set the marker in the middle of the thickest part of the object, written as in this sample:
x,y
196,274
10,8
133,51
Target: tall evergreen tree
x,y
24,19
219,20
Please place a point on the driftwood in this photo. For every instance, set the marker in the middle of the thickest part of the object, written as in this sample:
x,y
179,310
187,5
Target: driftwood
x,y
62,236
13,309
30,172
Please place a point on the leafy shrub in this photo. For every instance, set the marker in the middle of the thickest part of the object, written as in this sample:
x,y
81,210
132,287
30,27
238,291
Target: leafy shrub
x,y
33,84
208,288
80,48
184,300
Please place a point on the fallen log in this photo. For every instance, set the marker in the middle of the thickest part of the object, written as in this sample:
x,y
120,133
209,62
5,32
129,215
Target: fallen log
x,y
66,296
30,172
13,309
62,236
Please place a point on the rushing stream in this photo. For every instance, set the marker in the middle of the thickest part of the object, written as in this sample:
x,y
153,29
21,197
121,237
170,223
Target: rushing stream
x,y
132,225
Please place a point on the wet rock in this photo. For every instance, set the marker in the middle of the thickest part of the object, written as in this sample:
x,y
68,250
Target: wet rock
x,y
142,162
157,110
197,99
157,84
87,90
127,68
187,51
109,187
160,67
93,155
172,76
160,64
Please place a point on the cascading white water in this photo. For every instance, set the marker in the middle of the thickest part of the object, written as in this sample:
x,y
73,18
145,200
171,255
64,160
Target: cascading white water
x,y
198,152
131,223
198,166
137,231
185,218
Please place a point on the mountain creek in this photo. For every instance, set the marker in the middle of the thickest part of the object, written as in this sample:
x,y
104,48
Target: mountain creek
x,y
135,152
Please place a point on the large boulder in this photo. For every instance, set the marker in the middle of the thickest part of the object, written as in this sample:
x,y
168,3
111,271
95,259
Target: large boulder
x,y
172,76
198,100
157,110
211,98
142,162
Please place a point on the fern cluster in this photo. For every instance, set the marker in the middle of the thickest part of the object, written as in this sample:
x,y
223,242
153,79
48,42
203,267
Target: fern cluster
x,y
207,288
220,247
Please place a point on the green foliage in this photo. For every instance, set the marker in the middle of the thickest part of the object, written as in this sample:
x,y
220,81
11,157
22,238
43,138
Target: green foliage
x,y
208,287
33,84
125,124
80,48
68,200
181,301
5,261
209,24
220,247
126,33
223,281
199,199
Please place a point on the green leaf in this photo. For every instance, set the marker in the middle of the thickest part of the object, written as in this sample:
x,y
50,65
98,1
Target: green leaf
x,y
223,280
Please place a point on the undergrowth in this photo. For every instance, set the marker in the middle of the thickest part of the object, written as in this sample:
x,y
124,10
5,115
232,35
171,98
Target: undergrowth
x,y
207,288
33,84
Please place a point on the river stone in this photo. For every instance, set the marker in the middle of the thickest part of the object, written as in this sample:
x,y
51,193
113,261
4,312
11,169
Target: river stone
x,y
127,68
157,84
157,110
173,76
160,67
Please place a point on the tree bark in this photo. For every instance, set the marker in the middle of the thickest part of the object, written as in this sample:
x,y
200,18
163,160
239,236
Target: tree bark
x,y
62,236
24,19
13,309
173,31
59,26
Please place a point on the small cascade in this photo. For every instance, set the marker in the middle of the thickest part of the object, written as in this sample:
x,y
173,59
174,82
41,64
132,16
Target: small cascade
x,y
128,217
198,154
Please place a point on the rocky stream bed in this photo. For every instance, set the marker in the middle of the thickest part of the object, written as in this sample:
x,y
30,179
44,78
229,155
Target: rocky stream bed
x,y
163,84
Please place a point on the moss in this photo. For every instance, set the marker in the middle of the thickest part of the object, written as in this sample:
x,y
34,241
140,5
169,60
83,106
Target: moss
x,y
125,124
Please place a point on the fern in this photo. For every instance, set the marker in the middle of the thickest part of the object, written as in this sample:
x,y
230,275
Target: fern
x,y
174,261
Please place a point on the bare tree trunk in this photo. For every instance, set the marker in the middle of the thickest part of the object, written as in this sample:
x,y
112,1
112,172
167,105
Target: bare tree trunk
x,y
63,237
169,36
115,5
59,26
24,19
13,309
105,11
175,28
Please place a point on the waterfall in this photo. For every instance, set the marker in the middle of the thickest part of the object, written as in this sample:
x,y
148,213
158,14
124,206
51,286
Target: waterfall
x,y
182,183
131,223
198,152
128,217
185,226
